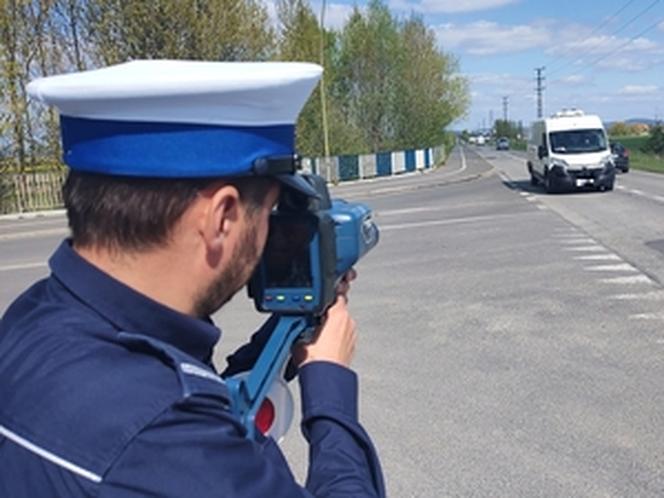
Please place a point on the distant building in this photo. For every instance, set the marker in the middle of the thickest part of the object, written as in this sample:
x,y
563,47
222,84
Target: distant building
x,y
640,129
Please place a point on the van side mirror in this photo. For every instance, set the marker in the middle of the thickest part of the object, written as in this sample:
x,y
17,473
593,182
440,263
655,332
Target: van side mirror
x,y
542,152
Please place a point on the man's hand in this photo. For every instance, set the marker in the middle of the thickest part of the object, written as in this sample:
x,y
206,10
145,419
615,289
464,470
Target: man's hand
x,y
336,337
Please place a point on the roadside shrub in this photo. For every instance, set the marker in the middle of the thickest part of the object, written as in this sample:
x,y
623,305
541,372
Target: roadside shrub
x,y
655,143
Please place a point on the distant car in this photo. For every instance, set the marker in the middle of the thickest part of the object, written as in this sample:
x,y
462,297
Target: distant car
x,y
502,144
620,156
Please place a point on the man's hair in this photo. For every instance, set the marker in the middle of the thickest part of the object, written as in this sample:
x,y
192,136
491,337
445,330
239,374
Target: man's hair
x,y
135,214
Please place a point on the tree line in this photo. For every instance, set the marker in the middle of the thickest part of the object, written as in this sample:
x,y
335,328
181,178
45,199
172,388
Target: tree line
x,y
387,84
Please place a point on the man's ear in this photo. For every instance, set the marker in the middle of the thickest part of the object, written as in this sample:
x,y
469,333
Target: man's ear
x,y
221,215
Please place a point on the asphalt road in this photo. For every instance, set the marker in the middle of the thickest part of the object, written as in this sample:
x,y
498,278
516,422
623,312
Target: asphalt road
x,y
511,342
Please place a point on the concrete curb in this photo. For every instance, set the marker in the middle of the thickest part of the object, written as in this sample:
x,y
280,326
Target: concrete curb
x,y
32,215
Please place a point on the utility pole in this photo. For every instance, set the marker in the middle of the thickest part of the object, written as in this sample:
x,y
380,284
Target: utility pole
x,y
505,103
540,89
326,140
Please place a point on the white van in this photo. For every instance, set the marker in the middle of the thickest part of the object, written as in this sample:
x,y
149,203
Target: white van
x,y
570,150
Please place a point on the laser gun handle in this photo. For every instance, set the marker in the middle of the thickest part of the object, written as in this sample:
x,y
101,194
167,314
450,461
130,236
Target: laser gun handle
x,y
248,393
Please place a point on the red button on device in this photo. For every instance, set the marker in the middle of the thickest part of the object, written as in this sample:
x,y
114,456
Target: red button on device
x,y
265,416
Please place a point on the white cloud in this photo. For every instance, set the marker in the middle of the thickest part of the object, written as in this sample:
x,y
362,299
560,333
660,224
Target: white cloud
x,y
638,90
488,38
661,26
573,79
580,49
626,63
588,48
336,14
498,82
271,6
448,6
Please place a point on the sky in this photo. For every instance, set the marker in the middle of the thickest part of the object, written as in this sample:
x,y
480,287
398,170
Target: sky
x,y
605,57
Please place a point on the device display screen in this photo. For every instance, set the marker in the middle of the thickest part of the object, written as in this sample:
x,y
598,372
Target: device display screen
x,y
287,256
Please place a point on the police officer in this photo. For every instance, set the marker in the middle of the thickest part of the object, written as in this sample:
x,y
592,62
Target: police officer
x,y
107,386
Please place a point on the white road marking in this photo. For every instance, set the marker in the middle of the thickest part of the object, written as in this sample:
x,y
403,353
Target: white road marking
x,y
31,223
641,193
524,194
641,296
530,198
516,157
463,165
35,233
647,316
599,257
391,212
23,266
621,187
451,221
542,207
620,267
424,209
578,241
592,248
629,280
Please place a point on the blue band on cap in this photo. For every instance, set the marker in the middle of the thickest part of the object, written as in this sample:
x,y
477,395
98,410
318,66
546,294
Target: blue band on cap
x,y
169,150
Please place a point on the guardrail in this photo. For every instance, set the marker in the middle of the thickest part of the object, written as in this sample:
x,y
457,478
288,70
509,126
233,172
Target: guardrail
x,y
21,193
359,167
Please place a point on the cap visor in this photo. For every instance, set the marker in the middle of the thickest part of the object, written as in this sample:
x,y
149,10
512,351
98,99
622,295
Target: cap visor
x,y
298,183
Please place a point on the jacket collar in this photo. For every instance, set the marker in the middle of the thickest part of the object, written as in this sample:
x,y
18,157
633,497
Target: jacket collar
x,y
129,310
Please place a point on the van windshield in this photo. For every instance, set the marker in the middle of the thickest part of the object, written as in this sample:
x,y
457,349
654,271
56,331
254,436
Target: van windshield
x,y
575,141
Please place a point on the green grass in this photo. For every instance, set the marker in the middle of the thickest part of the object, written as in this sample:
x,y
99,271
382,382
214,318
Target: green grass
x,y
637,158
633,143
646,162
519,144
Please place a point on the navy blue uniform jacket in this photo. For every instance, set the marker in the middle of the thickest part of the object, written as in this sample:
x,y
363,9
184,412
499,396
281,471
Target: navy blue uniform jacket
x,y
106,393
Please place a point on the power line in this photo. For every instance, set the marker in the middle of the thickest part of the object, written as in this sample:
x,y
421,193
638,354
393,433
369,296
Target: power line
x,y
540,79
595,30
580,59
628,42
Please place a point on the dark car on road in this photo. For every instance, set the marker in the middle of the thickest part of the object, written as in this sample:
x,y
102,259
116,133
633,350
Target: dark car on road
x,y
502,144
620,156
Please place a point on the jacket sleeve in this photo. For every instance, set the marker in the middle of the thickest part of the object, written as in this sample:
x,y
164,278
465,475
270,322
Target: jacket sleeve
x,y
342,458
196,448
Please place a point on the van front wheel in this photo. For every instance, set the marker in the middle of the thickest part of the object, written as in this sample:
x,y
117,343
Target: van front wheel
x,y
549,185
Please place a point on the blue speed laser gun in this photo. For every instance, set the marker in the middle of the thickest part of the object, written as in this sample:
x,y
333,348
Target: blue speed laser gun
x,y
312,243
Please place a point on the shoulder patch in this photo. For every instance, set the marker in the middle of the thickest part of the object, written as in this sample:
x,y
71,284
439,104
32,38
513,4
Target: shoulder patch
x,y
191,369
195,377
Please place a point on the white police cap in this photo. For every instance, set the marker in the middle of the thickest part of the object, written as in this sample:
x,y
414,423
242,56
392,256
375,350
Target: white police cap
x,y
182,119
